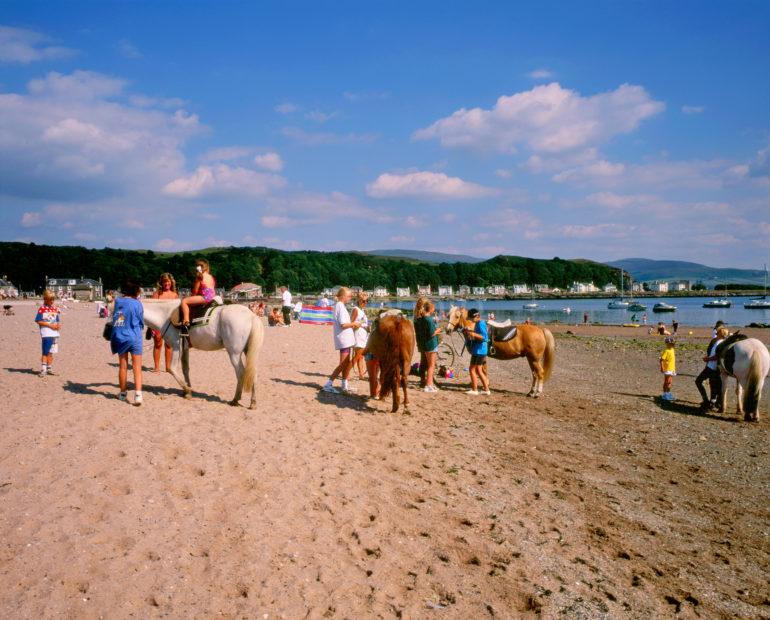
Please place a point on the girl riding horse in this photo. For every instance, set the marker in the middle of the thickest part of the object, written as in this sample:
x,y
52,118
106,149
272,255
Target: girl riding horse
x,y
203,292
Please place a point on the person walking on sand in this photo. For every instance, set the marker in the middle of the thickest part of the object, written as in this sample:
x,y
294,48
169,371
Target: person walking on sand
x,y
344,341
668,368
48,318
426,333
711,373
165,289
479,338
286,305
127,329
362,333
203,292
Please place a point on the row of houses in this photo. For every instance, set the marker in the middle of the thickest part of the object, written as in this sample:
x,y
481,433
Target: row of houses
x,y
662,286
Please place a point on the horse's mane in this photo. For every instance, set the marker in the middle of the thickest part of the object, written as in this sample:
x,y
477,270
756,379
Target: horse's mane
x,y
729,341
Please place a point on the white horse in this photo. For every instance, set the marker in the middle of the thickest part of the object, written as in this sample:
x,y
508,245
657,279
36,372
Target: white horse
x,y
747,360
232,327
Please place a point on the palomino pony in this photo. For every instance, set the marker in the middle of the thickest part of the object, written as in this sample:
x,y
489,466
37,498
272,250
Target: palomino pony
x,y
392,343
234,328
530,341
748,360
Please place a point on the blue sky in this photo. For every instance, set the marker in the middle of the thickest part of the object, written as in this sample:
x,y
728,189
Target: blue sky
x,y
596,130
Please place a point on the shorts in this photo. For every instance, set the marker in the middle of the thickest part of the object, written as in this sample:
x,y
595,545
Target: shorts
x,y
434,350
346,350
669,373
478,360
121,347
49,344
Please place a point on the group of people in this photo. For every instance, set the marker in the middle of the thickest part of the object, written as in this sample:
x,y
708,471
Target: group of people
x,y
351,332
710,372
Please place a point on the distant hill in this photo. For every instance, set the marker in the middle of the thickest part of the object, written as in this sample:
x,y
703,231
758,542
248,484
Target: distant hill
x,y
427,257
647,269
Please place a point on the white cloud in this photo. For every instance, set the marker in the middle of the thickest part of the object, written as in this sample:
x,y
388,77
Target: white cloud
x,y
360,96
596,231
516,221
320,117
760,165
222,180
226,153
128,50
269,161
692,109
25,46
413,221
547,118
433,185
503,173
405,239
310,138
31,218
314,207
171,245
287,107
540,74
70,137
143,101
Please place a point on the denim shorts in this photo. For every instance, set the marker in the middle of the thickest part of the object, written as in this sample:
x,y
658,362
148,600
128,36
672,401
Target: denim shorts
x,y
48,343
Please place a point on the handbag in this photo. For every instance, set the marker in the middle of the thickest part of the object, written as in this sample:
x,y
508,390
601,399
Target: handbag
x,y
107,332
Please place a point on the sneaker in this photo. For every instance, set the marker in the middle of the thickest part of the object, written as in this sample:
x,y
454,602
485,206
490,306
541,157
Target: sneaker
x,y
486,393
349,388
138,400
123,397
42,373
51,372
472,392
330,389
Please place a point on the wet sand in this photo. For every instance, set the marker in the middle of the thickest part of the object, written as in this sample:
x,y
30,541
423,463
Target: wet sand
x,y
594,501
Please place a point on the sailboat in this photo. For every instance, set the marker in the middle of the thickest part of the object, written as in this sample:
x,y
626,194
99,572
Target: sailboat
x,y
759,303
619,304
718,303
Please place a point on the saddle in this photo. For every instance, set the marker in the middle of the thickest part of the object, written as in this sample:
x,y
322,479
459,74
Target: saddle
x,y
501,331
199,315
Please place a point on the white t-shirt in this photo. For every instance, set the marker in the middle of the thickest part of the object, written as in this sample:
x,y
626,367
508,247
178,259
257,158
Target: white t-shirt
x,y
362,335
713,364
343,338
298,307
286,298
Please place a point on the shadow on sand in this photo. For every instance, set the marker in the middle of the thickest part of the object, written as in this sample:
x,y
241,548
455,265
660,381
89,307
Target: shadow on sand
x,y
89,388
679,407
357,402
23,371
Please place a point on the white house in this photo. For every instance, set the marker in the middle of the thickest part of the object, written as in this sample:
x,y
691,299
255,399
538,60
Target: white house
x,y
423,290
496,289
679,285
380,291
7,289
519,289
610,288
84,289
330,292
542,288
637,287
659,287
581,288
463,290
478,291
402,291
445,291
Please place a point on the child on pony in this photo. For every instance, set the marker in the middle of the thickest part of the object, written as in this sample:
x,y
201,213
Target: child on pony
x,y
203,292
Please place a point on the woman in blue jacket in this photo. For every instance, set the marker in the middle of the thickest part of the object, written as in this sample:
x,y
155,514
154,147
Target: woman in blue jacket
x,y
127,332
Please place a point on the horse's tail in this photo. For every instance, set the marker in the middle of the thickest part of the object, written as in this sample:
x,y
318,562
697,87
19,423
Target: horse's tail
x,y
549,355
754,383
253,346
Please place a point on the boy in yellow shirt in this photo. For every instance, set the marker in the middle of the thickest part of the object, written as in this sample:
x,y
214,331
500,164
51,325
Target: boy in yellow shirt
x,y
668,368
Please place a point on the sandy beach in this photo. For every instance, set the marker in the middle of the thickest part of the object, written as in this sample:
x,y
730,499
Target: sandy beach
x,y
594,501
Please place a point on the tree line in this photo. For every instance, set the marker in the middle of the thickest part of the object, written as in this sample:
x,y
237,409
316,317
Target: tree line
x,y
28,264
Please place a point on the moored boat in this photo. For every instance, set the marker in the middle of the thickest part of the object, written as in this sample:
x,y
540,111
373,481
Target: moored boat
x,y
718,303
663,307
635,306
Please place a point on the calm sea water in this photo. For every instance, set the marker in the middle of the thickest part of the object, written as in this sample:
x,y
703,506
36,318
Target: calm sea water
x,y
690,311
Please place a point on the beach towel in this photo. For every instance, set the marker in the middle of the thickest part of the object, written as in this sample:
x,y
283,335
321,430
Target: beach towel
x,y
316,315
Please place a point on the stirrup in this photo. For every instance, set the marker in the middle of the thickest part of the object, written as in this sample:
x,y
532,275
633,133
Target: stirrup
x,y
184,330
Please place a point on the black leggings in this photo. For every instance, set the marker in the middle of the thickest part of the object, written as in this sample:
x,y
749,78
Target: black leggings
x,y
715,384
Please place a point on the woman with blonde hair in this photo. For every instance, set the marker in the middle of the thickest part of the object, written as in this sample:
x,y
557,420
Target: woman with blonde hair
x,y
164,289
344,341
362,333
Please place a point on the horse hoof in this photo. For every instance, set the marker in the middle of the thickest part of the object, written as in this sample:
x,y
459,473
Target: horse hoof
x,y
188,395
530,395
234,403
252,406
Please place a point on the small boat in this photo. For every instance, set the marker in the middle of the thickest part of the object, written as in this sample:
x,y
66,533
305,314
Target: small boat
x,y
663,307
718,303
530,306
618,304
760,303
635,306
566,310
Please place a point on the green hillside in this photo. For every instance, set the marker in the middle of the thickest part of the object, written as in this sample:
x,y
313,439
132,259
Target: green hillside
x,y
27,265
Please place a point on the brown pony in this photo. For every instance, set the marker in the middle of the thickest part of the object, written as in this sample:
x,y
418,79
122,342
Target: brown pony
x,y
392,343
533,342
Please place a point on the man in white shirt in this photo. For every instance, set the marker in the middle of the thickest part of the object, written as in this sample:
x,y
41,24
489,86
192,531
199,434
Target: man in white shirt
x,y
711,372
287,306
